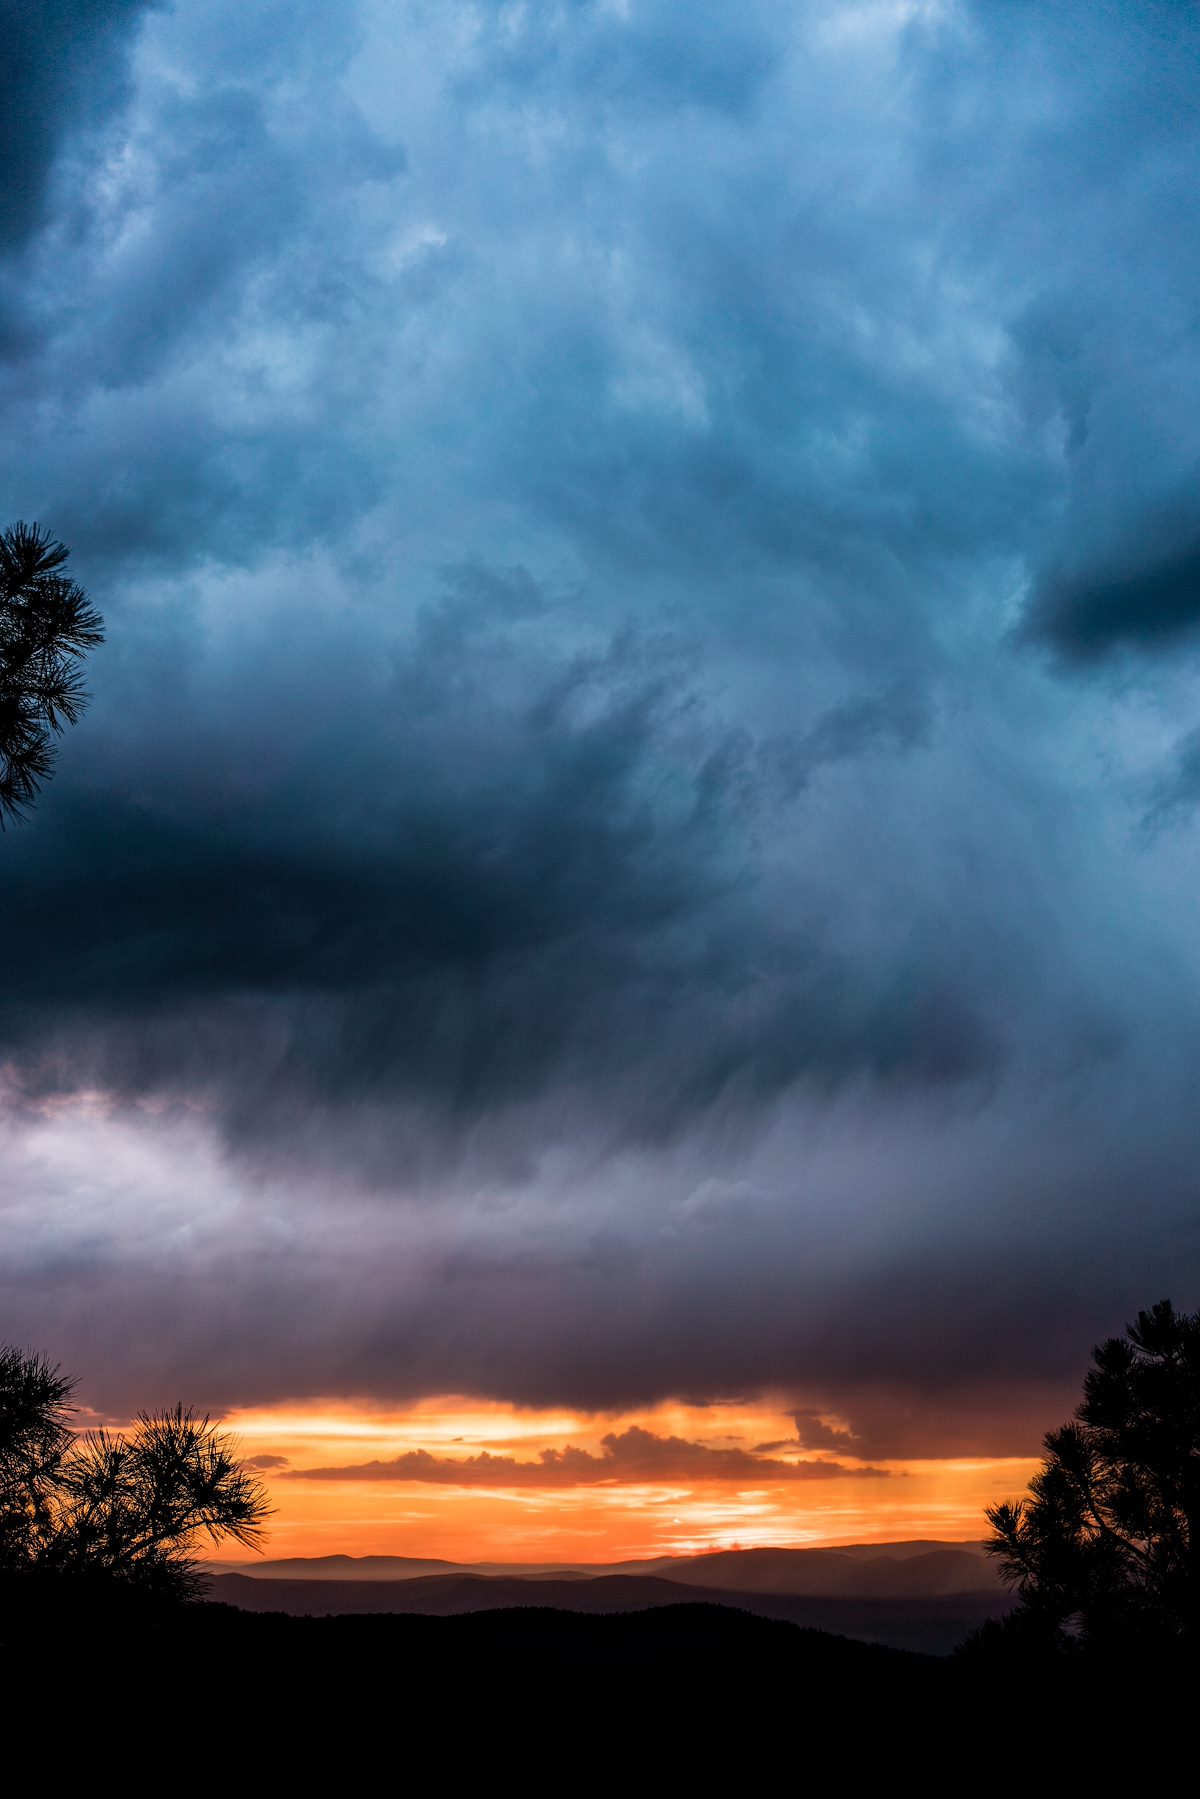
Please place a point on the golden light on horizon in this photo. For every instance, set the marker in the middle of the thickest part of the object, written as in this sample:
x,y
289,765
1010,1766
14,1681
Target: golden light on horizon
x,y
536,1511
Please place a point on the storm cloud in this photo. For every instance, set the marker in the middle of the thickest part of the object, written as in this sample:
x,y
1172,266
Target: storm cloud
x,y
1145,605
650,567
64,74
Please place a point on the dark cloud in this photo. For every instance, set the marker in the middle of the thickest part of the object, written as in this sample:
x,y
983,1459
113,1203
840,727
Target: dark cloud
x,y
1103,349
210,229
65,68
145,1261
1147,604
502,872
627,1456
697,944
814,1433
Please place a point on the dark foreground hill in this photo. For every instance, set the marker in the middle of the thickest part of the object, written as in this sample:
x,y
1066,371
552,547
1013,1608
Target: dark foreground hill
x,y
924,1596
209,1697
932,1622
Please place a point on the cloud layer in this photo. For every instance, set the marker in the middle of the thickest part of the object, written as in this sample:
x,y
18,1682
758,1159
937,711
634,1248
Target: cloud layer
x,y
635,833
633,1455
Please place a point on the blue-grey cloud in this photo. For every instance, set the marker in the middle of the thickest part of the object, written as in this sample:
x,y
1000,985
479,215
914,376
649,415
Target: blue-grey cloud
x,y
65,71
1147,605
581,501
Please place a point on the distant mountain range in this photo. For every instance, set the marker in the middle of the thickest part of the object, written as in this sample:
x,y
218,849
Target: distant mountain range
x,y
878,1570
907,1595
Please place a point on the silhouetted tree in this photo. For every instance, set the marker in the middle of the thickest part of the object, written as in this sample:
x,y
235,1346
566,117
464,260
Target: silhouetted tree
x,y
47,624
1107,1546
34,1437
130,1506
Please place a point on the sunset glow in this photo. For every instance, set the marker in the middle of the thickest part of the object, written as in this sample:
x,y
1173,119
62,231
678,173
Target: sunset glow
x,y
614,1520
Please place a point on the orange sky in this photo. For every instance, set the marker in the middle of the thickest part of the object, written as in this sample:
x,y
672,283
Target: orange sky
x,y
604,1520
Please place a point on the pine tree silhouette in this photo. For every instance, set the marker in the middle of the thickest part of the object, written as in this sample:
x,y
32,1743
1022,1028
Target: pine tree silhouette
x,y
47,625
1107,1545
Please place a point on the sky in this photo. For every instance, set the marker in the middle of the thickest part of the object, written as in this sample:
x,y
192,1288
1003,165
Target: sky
x,y
630,865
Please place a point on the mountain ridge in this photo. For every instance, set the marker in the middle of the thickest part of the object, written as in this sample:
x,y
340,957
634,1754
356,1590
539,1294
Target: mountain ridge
x,y
737,1564
930,1623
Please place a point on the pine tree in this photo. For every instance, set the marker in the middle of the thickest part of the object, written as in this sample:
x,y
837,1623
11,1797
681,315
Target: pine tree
x,y
127,1506
47,624
1107,1546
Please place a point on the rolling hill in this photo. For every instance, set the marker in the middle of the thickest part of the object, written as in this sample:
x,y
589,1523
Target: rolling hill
x,y
926,1597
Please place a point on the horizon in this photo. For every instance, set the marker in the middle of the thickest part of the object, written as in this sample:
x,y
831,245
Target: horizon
x,y
236,1565
613,958
663,1482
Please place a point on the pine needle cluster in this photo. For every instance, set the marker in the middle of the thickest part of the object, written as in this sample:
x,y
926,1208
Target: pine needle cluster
x,y
129,1506
47,626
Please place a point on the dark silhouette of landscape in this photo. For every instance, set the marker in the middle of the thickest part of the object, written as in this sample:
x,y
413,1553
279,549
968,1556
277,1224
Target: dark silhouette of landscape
x,y
1059,1654
694,1692
918,1596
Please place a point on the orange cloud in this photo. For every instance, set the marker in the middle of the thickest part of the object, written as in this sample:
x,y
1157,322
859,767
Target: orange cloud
x,y
634,1454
